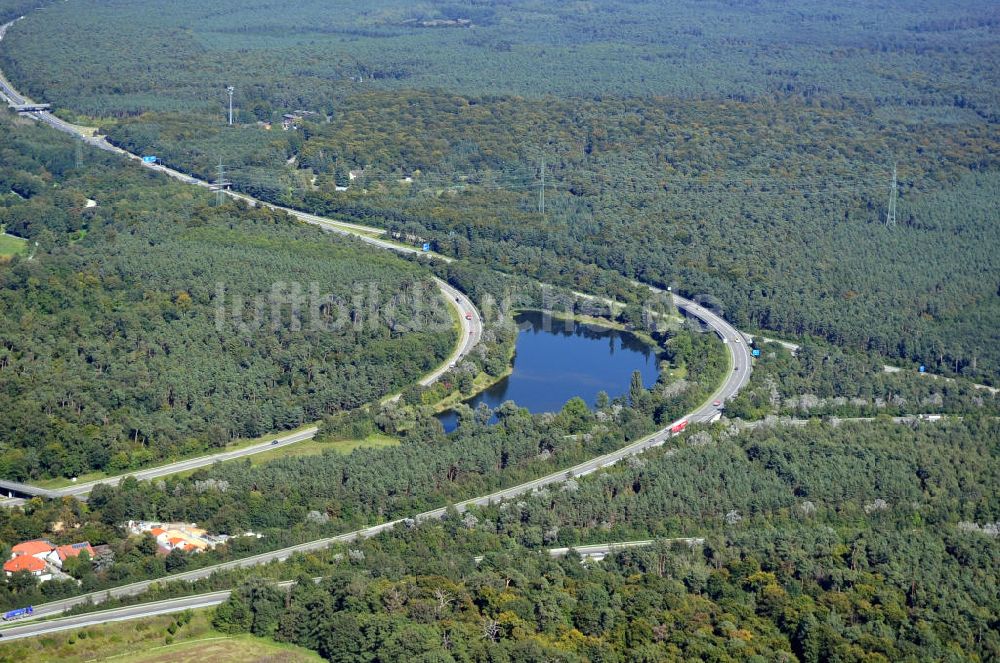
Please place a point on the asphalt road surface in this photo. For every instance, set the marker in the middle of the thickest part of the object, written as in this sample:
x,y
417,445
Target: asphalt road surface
x,y
471,329
277,442
31,629
28,629
735,380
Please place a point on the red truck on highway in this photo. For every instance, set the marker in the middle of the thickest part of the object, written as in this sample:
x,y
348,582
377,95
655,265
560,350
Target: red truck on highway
x,y
679,427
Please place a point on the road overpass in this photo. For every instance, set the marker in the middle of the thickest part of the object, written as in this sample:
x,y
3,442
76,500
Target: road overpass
x,y
30,108
16,488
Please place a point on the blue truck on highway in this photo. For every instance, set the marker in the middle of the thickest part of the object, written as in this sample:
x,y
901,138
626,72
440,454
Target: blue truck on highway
x,y
18,614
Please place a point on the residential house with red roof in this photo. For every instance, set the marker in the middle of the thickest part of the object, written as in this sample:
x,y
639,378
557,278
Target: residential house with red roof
x,y
28,563
65,552
32,548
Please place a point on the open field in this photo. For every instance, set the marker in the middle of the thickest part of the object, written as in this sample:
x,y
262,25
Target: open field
x,y
225,649
149,641
315,447
10,245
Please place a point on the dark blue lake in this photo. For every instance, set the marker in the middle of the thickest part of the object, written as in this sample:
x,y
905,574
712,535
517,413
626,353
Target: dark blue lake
x,y
554,364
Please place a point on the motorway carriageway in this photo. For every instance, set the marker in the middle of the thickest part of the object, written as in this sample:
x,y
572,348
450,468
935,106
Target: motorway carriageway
x,y
30,629
734,381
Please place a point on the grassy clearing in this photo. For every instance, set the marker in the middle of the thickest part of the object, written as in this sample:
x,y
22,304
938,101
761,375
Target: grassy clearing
x,y
480,383
240,649
12,246
348,226
86,125
148,641
374,234
315,447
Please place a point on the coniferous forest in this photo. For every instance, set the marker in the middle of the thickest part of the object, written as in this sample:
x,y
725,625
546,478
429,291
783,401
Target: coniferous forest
x,y
823,175
141,327
739,152
847,544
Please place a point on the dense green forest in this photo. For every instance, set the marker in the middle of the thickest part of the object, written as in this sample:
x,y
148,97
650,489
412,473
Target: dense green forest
x,y
690,195
149,323
869,542
874,542
822,380
296,499
742,152
889,51
12,9
861,543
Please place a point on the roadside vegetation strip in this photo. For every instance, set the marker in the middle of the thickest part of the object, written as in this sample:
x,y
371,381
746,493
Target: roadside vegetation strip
x,y
52,622
83,619
237,446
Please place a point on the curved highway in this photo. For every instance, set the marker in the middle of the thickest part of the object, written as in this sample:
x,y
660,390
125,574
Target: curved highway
x,y
735,380
471,332
733,383
17,630
471,324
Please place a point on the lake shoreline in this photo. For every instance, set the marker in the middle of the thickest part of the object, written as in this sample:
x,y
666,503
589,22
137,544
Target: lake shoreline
x,y
573,354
